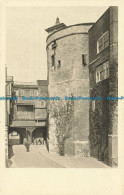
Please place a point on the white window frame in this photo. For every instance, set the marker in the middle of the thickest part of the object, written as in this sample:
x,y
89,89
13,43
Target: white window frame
x,y
102,67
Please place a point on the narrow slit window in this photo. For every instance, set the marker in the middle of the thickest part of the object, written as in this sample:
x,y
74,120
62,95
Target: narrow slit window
x,y
53,60
84,60
54,45
59,63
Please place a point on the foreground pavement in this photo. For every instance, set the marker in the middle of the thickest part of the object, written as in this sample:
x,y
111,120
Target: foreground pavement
x,y
38,157
32,159
73,161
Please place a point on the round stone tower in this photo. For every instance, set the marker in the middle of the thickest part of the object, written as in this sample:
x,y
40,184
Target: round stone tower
x,y
68,76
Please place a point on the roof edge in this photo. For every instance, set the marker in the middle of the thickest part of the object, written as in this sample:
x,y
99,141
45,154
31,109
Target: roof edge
x,y
79,24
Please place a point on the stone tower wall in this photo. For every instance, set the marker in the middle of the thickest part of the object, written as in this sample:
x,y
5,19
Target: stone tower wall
x,y
71,78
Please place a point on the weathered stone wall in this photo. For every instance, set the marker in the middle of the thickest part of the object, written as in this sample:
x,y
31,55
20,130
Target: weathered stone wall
x,y
70,30
70,79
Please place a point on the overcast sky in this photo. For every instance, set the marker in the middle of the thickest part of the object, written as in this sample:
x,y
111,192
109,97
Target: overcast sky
x,y
26,37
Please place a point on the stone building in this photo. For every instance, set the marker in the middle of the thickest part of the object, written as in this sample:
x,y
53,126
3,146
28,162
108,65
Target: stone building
x,y
68,75
103,75
82,61
28,114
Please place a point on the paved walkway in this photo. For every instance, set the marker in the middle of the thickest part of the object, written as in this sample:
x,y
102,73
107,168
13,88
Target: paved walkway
x,y
38,157
73,161
31,159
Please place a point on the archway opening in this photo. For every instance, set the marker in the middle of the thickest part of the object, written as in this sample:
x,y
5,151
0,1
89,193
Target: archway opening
x,y
14,138
38,136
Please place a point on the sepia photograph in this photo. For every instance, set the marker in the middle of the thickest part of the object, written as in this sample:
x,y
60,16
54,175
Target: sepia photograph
x,y
61,77
59,92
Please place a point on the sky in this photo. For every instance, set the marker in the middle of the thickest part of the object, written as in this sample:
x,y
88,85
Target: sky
x,y
26,56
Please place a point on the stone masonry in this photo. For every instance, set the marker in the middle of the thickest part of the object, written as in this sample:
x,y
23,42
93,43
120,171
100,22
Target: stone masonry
x,y
74,57
69,76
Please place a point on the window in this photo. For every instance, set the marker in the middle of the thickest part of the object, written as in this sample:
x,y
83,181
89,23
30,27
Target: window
x,y
25,108
53,60
103,42
102,75
93,105
59,63
84,59
33,92
20,92
102,71
27,93
25,112
54,45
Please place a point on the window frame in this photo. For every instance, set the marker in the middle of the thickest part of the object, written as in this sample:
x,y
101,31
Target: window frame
x,y
102,67
25,110
102,41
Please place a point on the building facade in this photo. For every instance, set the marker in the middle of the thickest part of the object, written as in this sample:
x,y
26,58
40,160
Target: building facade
x,y
83,61
103,75
29,113
68,75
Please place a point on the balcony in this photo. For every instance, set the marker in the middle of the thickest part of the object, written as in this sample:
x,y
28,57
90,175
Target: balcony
x,y
33,123
24,116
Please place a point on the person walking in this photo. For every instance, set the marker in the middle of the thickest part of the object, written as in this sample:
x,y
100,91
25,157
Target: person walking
x,y
27,143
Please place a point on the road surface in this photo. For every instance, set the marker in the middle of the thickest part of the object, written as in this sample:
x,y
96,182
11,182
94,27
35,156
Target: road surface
x,y
32,159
